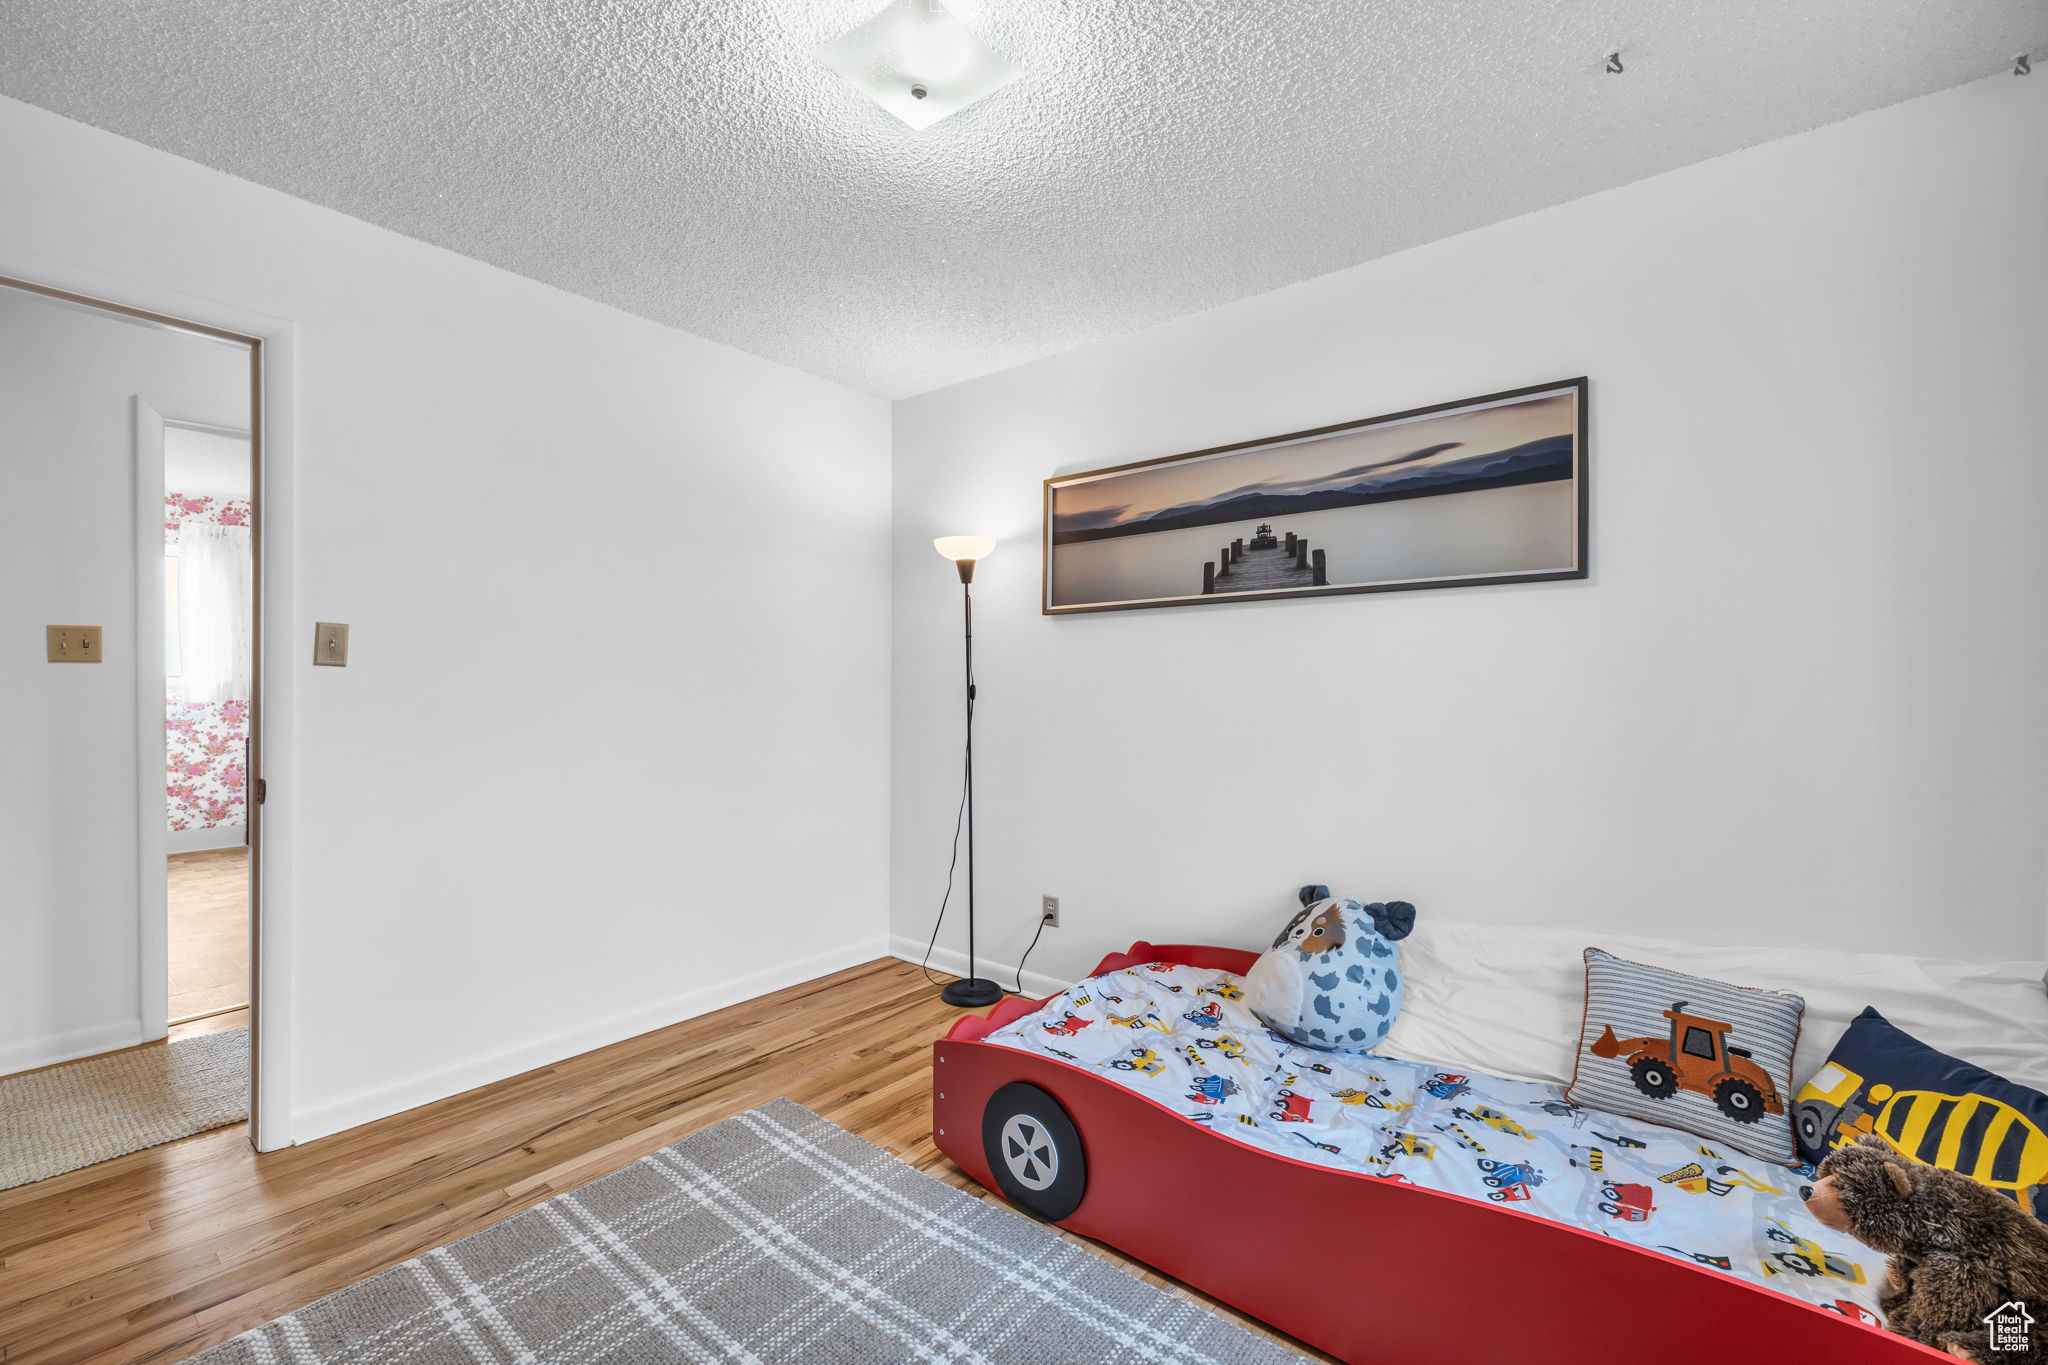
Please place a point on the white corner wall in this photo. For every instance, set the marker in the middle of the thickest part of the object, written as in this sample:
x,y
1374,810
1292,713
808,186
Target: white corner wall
x,y
1799,701
612,746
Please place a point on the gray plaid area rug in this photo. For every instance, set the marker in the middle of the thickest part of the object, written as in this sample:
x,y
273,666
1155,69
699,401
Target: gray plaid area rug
x,y
774,1236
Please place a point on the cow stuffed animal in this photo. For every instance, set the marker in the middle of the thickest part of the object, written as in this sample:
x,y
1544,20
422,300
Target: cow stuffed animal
x,y
1960,1251
1333,977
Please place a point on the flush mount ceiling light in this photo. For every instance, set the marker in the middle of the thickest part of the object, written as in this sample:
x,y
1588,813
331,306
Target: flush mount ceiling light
x,y
919,61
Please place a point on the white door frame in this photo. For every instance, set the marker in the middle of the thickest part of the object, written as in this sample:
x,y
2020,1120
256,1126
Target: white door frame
x,y
275,437
152,892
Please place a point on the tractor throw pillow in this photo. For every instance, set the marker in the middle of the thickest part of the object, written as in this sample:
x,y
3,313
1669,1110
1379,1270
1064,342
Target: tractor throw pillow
x,y
1712,1059
1929,1106
1332,978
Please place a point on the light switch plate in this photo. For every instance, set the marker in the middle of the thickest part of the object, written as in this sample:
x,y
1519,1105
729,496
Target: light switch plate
x,y
73,644
330,644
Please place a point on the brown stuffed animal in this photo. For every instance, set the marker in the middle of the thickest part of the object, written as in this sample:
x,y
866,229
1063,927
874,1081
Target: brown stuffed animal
x,y
1959,1250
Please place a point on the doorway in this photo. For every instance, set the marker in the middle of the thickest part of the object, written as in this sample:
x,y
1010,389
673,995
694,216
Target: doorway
x,y
209,674
132,830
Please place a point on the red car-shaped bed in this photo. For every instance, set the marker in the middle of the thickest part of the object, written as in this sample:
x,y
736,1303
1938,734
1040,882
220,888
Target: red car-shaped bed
x,y
1109,1163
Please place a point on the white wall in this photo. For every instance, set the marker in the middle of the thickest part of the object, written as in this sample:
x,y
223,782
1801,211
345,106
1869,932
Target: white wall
x,y
70,928
1799,700
612,745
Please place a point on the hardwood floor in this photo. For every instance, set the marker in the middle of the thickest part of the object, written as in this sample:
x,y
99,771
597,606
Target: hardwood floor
x,y
209,936
159,1254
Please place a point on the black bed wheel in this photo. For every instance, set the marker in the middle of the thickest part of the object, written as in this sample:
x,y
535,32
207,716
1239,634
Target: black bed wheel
x,y
1034,1152
1739,1100
1654,1077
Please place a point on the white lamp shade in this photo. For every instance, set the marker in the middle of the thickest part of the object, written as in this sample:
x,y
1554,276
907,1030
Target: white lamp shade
x,y
957,548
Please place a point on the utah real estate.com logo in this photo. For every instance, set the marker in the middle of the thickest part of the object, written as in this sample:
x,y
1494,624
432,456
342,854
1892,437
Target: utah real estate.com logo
x,y
2011,1327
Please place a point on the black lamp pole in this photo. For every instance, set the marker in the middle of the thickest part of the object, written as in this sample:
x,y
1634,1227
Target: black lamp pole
x,y
972,992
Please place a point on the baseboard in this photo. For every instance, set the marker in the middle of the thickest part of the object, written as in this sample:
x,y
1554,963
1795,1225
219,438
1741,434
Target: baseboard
x,y
52,1048
376,1102
205,840
1004,974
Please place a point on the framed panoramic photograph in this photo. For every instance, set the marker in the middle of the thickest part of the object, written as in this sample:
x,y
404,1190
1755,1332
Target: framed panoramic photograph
x,y
1485,490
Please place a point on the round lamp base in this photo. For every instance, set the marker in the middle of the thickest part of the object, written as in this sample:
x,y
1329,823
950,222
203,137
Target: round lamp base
x,y
973,993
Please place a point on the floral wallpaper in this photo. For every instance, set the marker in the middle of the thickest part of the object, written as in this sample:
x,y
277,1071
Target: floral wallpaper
x,y
206,743
207,746
180,508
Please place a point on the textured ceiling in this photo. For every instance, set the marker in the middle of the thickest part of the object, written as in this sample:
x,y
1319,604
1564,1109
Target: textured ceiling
x,y
688,160
207,463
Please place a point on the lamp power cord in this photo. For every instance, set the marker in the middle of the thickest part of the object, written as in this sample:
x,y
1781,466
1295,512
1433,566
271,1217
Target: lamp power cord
x,y
953,865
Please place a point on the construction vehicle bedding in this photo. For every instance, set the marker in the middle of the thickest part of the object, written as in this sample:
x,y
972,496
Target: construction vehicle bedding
x,y
1182,1036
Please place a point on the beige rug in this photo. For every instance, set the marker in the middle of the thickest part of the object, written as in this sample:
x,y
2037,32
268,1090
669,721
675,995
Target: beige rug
x,y
91,1111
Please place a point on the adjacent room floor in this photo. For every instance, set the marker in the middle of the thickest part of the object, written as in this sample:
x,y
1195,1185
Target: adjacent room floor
x,y
158,1254
209,937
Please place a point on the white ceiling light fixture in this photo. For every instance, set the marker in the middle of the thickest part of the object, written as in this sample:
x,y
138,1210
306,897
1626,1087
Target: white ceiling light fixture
x,y
919,61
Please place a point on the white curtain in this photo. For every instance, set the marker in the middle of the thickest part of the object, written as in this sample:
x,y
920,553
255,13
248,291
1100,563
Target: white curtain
x,y
214,614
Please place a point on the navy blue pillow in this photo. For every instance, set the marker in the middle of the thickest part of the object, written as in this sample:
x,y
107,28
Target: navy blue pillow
x,y
1929,1105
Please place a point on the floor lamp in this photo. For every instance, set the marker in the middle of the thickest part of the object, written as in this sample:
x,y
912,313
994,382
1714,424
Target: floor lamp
x,y
973,992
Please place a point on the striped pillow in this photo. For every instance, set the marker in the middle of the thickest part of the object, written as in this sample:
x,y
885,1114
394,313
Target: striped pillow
x,y
1709,1058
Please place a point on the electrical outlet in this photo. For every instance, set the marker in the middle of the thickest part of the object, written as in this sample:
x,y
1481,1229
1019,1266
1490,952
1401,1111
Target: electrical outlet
x,y
1049,911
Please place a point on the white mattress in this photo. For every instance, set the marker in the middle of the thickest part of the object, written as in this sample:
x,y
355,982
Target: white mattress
x,y
1507,998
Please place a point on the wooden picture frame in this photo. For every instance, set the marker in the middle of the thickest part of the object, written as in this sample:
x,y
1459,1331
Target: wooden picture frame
x,y
1482,490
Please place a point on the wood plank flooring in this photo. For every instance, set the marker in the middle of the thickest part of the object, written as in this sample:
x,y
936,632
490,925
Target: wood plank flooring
x,y
209,936
159,1254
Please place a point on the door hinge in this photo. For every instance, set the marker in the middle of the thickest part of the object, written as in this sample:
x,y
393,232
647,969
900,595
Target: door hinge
x,y
262,791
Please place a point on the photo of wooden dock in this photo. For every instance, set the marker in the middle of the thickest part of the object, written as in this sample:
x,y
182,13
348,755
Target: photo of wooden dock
x,y
1265,563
